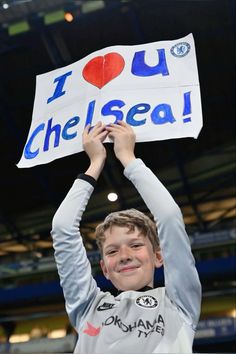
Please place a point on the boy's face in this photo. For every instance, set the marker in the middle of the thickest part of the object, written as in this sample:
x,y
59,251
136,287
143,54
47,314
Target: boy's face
x,y
129,259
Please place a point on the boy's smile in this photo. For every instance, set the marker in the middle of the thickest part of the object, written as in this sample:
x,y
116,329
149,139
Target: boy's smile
x,y
129,259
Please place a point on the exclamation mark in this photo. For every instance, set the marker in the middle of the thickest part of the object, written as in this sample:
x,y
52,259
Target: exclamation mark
x,y
187,107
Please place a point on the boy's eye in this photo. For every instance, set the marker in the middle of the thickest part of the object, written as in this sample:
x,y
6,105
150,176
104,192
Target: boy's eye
x,y
111,252
136,245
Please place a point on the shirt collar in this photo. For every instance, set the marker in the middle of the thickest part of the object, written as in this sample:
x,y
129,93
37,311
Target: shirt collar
x,y
145,288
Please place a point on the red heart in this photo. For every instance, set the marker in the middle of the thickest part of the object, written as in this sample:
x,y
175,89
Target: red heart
x,y
100,70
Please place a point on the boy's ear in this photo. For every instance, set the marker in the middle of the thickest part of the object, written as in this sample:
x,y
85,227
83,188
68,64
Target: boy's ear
x,y
158,258
104,268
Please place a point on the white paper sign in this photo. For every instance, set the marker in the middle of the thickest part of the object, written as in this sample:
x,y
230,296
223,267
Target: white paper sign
x,y
154,87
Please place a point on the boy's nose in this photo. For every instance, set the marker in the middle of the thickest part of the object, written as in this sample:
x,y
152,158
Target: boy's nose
x,y
125,254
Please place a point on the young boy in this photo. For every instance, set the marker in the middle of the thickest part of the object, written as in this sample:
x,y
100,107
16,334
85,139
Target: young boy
x,y
140,319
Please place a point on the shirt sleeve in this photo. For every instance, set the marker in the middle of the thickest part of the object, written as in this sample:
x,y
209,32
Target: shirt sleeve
x,y
181,278
74,269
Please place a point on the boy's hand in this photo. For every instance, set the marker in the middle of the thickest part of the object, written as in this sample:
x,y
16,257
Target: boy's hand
x,y
93,146
124,141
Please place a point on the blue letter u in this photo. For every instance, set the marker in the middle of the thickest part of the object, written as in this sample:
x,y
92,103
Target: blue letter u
x,y
140,68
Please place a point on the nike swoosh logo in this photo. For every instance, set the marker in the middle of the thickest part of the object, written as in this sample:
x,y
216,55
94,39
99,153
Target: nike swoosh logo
x,y
105,306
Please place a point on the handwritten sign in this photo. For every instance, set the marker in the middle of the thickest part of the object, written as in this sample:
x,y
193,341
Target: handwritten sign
x,y
154,87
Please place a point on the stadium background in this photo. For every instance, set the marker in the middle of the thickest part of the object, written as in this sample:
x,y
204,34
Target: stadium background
x,y
200,174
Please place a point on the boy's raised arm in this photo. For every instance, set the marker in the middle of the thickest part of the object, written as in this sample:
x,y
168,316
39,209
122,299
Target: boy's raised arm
x,y
74,268
181,278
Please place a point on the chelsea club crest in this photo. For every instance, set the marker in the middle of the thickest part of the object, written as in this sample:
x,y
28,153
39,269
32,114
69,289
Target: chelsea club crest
x,y
180,50
147,301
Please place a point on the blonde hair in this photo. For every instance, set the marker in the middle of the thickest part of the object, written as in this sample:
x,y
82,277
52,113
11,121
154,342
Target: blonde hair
x,y
130,218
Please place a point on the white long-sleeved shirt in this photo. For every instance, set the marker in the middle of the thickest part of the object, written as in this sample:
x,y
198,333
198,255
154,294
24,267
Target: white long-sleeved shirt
x,y
161,320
